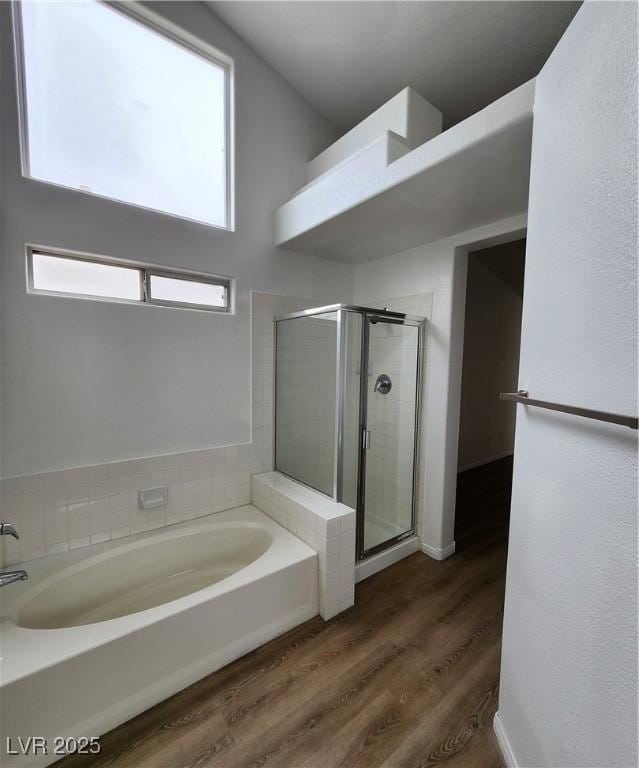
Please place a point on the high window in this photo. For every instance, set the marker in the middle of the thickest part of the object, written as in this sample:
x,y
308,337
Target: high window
x,y
62,273
114,105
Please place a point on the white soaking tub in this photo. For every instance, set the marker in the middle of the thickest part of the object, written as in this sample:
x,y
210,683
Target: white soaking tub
x,y
96,636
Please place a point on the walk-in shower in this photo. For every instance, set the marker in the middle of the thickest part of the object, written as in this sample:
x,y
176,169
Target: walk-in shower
x,y
347,383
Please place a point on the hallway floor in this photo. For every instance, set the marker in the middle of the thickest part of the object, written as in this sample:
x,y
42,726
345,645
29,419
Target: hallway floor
x,y
408,677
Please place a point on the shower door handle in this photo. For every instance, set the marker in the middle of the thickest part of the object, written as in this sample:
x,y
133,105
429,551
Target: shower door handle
x,y
366,439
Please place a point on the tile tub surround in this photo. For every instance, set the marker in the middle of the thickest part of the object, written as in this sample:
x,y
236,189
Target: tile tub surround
x,y
64,510
325,525
59,511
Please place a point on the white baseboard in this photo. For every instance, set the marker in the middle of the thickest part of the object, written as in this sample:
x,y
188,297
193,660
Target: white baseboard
x,y
481,463
439,554
504,744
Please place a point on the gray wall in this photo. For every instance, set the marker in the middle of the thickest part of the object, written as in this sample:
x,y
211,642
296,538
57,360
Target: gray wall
x,y
86,382
568,691
492,328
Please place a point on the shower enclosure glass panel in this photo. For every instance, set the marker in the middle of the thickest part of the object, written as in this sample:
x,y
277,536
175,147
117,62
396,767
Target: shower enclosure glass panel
x,y
391,418
305,406
346,413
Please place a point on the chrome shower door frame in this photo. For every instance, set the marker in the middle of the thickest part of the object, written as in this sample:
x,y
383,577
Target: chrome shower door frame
x,y
384,317
366,313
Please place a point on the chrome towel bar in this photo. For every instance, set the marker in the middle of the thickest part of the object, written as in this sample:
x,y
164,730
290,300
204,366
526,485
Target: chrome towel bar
x,y
613,418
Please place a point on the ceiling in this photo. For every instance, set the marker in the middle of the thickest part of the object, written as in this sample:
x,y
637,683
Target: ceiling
x,y
349,57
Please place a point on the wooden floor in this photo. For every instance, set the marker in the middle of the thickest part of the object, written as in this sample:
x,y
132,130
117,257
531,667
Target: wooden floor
x,y
408,677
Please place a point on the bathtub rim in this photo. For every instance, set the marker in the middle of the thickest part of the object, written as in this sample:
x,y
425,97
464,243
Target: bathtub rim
x,y
76,568
28,651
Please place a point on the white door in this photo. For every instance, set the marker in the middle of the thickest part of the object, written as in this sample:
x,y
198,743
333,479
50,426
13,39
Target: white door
x,y
568,694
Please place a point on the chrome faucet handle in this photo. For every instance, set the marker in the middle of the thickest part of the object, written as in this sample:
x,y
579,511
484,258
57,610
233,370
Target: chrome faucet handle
x,y
7,529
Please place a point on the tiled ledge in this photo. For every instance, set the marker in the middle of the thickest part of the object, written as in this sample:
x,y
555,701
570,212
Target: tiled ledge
x,y
325,525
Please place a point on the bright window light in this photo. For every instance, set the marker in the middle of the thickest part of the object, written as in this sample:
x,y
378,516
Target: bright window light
x,y
85,276
186,291
114,107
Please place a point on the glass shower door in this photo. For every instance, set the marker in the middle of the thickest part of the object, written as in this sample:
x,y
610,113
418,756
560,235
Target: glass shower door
x,y
389,418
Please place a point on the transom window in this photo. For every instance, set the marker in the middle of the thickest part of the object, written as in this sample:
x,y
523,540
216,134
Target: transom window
x,y
117,106
66,274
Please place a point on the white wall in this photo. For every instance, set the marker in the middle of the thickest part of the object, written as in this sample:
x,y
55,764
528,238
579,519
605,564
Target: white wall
x,y
568,694
492,329
86,382
438,269
407,114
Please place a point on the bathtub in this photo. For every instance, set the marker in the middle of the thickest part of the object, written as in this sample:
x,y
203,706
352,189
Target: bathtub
x,y
98,635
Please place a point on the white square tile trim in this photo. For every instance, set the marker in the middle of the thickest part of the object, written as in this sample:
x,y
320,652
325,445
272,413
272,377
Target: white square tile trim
x,y
58,511
325,525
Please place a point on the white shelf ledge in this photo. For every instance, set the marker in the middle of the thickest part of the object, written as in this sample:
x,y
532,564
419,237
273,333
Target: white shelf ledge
x,y
472,174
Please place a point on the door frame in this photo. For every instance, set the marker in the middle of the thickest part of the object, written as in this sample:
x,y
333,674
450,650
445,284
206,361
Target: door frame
x,y
453,411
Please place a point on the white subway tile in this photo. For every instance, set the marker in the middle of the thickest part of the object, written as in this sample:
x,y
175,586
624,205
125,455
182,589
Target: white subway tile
x,y
54,516
78,510
32,544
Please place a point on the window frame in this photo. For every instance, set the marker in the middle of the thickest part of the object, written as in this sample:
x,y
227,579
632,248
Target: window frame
x,y
150,272
144,270
139,14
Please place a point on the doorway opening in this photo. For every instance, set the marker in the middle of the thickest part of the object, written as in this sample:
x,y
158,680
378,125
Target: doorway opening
x,y
492,334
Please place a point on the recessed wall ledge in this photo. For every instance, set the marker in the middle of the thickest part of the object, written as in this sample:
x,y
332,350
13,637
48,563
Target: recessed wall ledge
x,y
475,173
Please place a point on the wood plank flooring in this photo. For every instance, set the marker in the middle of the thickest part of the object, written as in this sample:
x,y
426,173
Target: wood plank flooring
x,y
408,678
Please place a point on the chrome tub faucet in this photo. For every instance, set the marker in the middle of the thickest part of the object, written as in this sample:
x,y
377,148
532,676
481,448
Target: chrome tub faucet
x,y
8,577
7,529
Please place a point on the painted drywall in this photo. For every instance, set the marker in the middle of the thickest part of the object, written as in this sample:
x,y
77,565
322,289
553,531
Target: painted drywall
x,y
438,269
86,382
407,114
568,692
492,328
467,177
348,58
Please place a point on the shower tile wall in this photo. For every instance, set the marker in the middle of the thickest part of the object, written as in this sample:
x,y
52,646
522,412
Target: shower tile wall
x,y
58,511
